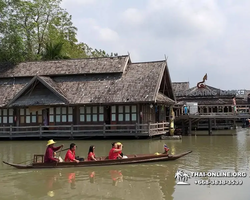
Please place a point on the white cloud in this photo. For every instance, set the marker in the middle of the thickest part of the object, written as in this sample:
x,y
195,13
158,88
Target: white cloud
x,y
206,36
106,34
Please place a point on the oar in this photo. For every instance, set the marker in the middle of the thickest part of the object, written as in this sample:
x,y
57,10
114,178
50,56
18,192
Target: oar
x,y
60,154
62,150
32,159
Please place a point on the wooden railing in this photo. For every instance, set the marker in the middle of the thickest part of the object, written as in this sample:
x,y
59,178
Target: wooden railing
x,y
74,131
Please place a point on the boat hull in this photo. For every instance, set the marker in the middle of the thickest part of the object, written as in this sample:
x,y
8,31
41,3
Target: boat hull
x,y
132,159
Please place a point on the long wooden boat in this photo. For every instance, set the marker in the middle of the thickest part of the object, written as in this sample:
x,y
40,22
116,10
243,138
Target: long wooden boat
x,y
132,159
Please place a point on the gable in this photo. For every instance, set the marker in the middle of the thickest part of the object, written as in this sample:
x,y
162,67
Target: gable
x,y
38,92
166,85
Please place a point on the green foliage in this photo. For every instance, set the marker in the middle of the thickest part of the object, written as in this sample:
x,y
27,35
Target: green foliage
x,y
53,51
39,29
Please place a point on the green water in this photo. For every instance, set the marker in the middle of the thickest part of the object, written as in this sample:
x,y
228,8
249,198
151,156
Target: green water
x,y
143,181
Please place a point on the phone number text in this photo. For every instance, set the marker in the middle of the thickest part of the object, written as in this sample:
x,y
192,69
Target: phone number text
x,y
218,182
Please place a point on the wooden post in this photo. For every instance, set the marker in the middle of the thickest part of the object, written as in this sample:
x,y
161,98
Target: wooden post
x,y
136,129
190,126
104,130
40,131
148,128
209,127
234,124
71,131
11,132
183,127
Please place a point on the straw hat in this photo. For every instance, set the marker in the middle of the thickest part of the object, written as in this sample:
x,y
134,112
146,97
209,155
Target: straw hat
x,y
51,142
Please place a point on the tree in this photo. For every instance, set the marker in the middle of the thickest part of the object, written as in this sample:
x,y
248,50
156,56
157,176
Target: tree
x,y
39,29
53,51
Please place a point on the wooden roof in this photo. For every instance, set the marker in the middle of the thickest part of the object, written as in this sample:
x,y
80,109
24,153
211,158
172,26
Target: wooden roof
x,y
126,83
180,86
59,67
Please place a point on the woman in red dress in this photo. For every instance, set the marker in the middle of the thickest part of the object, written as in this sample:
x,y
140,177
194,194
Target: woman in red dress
x,y
91,154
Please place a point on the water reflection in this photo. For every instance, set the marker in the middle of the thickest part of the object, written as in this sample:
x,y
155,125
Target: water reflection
x,y
92,177
116,176
97,183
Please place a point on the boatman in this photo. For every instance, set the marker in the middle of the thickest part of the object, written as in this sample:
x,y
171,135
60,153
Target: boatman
x,y
166,149
49,154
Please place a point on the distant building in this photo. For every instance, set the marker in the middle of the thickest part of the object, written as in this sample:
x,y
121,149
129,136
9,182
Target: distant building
x,y
208,98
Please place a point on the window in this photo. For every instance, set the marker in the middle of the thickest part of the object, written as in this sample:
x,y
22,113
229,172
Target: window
x,y
127,113
30,117
70,114
133,113
120,113
22,115
101,114
94,116
82,114
11,112
51,115
5,116
58,114
33,117
88,114
113,113
63,114
26,116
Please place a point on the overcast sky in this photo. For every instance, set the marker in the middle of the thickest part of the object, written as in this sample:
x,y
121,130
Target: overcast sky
x,y
197,36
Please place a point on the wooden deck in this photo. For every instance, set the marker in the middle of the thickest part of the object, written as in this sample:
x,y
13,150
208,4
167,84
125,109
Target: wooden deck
x,y
214,116
213,121
85,131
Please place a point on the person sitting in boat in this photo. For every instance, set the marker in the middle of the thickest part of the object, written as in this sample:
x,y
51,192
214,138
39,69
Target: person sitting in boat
x,y
49,154
70,155
91,154
166,149
114,153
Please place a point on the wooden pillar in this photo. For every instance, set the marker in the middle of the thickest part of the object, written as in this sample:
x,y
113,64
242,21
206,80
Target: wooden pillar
x,y
183,127
209,126
190,126
234,124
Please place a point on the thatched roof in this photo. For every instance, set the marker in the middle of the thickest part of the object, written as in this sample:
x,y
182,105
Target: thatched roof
x,y
180,86
77,66
138,83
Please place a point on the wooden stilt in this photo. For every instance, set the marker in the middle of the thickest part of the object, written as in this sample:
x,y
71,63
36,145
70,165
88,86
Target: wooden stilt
x,y
190,126
234,124
183,127
209,127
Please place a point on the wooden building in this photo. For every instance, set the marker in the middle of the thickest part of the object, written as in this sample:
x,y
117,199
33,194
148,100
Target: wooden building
x,y
92,92
216,108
